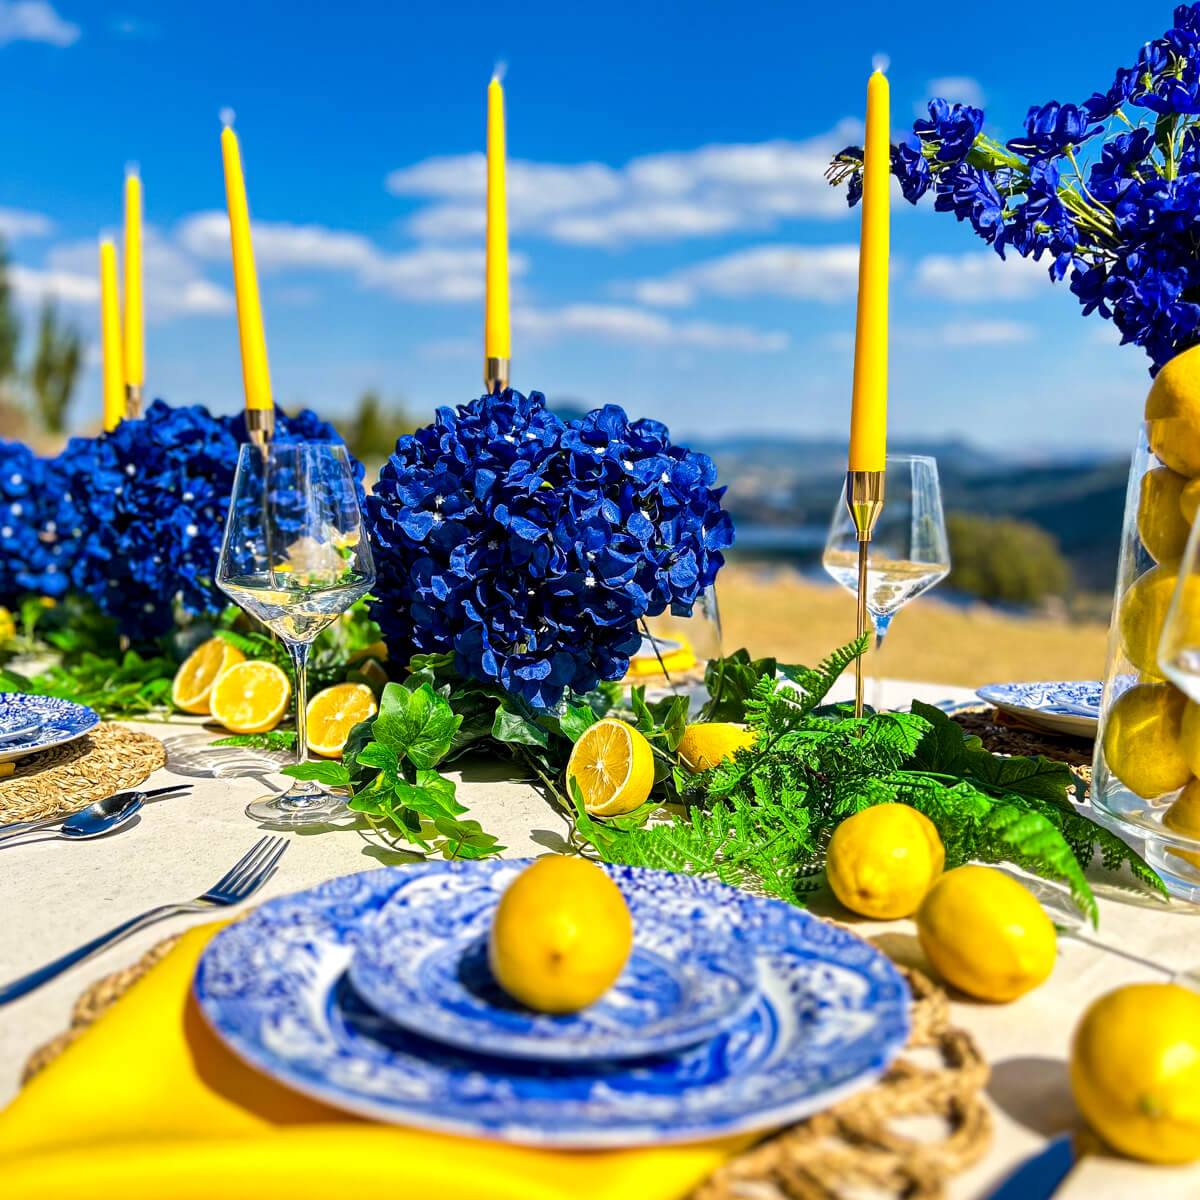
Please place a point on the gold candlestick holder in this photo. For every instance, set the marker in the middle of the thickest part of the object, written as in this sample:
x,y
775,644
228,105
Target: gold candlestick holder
x,y
495,374
133,401
864,499
260,426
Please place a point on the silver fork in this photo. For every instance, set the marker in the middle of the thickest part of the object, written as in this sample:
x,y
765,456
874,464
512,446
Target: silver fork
x,y
241,881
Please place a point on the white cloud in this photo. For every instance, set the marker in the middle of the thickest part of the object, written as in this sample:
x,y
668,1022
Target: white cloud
x,y
824,273
980,275
33,286
958,89
34,21
428,273
656,197
637,326
970,333
19,223
174,284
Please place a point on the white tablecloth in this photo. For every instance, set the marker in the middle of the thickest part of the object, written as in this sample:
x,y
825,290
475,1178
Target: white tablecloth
x,y
56,894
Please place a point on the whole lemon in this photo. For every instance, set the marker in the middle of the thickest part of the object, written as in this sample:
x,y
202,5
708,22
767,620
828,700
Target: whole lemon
x,y
705,744
1184,817
1189,500
561,935
1160,521
1143,740
881,861
1143,615
1135,1071
1173,410
986,934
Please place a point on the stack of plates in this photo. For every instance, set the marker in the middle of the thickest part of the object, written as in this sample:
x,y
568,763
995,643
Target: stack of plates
x,y
734,1013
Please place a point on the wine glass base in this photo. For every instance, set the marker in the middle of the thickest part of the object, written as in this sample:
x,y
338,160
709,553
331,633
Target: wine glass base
x,y
310,806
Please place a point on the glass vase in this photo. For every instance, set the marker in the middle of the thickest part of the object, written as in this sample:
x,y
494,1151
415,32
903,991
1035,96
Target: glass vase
x,y
1141,765
675,650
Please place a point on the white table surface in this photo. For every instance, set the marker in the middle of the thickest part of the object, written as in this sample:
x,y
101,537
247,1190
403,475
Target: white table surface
x,y
56,894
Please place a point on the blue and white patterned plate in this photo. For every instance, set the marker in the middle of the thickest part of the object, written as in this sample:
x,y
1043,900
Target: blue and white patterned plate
x,y
57,721
1060,706
831,1014
423,963
16,727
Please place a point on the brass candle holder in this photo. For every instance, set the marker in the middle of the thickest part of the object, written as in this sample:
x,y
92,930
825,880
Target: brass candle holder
x,y
495,374
260,426
133,401
864,499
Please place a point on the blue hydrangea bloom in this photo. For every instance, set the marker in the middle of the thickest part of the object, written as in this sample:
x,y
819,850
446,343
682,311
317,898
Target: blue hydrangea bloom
x,y
38,526
532,549
152,496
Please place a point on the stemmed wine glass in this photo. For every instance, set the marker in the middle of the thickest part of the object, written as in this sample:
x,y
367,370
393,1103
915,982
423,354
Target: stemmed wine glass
x,y
909,552
296,557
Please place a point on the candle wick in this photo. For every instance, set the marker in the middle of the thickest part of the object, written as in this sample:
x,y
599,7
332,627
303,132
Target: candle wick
x,y
499,71
880,63
228,116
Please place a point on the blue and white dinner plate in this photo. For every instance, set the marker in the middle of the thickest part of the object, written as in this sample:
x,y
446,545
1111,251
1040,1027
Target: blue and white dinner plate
x,y
423,963
1061,706
831,1014
57,722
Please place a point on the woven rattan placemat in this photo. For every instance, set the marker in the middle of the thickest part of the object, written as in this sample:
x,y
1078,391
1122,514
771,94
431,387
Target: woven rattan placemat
x,y
64,779
856,1144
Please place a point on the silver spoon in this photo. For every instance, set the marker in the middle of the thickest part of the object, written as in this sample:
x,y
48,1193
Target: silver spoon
x,y
109,804
105,816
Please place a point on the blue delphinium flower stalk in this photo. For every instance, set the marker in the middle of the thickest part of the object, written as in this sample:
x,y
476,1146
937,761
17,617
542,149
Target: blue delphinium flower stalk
x,y
1118,217
532,549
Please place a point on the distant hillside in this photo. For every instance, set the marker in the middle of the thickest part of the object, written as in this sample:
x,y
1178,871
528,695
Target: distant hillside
x,y
782,491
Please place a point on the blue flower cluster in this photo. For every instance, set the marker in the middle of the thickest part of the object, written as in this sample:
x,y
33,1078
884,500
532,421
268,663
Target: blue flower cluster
x,y
151,498
532,548
39,525
1123,225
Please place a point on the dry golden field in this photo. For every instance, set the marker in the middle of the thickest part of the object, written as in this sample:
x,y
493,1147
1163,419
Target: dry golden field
x,y
779,613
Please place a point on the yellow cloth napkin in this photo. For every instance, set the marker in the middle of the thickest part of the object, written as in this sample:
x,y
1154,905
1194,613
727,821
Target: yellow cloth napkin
x,y
149,1104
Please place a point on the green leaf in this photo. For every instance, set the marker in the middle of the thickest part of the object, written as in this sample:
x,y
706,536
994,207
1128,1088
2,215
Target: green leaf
x,y
332,774
382,758
419,724
513,726
466,839
274,739
575,719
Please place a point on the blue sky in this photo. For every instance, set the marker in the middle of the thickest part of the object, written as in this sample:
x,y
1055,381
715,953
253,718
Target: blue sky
x,y
676,249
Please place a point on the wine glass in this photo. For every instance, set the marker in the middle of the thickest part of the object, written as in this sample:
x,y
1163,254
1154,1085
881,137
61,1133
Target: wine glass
x,y
675,650
295,556
908,553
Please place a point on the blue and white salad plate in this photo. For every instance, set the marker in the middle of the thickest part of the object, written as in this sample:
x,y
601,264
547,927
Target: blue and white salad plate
x,y
830,1015
1061,706
53,723
423,963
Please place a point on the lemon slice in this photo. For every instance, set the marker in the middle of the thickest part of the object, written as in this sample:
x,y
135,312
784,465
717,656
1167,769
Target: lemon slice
x,y
193,682
614,767
250,697
333,712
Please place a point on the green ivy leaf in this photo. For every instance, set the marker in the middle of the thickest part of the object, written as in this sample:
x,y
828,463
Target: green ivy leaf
x,y
575,719
418,723
332,774
513,726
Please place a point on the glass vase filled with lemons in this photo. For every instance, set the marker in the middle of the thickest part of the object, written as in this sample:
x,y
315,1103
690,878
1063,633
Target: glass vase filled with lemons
x,y
1146,774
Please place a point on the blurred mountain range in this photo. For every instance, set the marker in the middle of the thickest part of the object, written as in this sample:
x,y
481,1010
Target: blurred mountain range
x,y
781,493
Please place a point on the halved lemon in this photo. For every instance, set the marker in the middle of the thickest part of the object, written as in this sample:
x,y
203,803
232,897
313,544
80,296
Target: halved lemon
x,y
250,697
333,712
193,682
614,767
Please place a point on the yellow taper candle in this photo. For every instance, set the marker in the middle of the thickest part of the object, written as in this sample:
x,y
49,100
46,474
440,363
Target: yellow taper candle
x,y
868,414
135,364
495,327
255,374
110,337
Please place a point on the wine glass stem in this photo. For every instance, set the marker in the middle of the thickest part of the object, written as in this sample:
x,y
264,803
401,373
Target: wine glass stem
x,y
299,653
881,621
